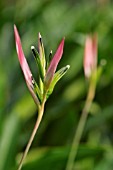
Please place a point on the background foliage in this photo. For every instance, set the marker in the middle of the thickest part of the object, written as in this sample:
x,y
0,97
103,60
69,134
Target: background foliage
x,y
50,149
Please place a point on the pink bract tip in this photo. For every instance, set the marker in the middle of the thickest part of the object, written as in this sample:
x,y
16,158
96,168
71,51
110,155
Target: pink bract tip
x,y
54,62
22,59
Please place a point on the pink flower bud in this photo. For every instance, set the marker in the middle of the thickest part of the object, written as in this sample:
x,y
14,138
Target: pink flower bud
x,y
90,55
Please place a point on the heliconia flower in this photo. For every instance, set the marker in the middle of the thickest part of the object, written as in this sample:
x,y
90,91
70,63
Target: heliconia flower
x,y
53,64
47,76
24,65
90,55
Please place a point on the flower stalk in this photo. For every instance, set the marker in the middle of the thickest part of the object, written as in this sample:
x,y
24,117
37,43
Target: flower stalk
x,y
40,115
80,127
91,73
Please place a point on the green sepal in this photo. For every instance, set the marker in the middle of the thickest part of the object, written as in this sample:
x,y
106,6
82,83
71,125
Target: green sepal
x,y
96,74
49,59
37,90
57,76
41,52
99,73
39,63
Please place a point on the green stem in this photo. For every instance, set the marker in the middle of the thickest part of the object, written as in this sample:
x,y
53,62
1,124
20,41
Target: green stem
x,y
40,114
81,125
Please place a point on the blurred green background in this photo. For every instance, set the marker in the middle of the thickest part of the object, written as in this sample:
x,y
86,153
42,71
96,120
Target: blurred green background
x,y
56,19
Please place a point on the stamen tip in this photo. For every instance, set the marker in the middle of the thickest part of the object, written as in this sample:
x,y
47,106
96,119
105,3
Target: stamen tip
x,y
68,66
32,47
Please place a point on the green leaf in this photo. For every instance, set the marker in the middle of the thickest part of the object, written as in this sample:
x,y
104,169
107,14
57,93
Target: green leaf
x,y
57,76
39,63
47,158
8,141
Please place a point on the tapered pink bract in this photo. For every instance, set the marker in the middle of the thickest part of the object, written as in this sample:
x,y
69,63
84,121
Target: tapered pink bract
x,y
22,59
24,65
53,64
90,55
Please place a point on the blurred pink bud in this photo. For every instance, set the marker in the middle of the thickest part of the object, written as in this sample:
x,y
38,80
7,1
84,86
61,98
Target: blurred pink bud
x,y
53,64
90,55
24,65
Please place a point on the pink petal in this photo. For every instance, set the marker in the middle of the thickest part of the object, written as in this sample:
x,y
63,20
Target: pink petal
x,y
53,64
90,55
22,59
